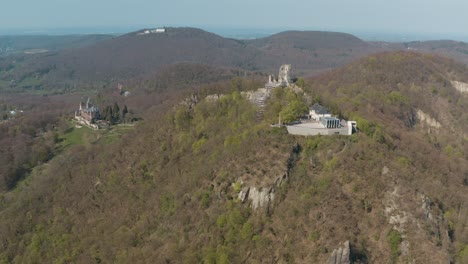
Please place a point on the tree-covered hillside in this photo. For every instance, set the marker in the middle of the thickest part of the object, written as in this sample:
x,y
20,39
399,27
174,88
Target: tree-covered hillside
x,y
169,191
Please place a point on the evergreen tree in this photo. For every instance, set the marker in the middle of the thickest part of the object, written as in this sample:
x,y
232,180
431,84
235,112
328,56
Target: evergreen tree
x,y
124,112
109,116
104,114
116,112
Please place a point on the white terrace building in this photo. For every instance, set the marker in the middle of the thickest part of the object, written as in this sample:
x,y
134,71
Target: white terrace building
x,y
321,122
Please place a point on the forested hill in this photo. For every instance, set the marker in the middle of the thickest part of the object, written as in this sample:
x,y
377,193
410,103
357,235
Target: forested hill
x,y
88,64
171,190
456,50
136,54
310,40
311,52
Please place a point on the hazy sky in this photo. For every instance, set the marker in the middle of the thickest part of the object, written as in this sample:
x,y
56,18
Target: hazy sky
x,y
397,16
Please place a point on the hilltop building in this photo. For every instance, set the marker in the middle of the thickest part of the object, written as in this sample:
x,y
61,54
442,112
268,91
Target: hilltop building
x,y
284,77
317,111
152,31
87,114
122,92
321,122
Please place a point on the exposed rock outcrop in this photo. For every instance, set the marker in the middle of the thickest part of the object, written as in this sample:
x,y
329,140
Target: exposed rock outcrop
x,y
427,119
342,255
259,198
244,194
460,86
419,221
427,207
214,97
262,197
396,216
385,170
258,97
435,221
190,101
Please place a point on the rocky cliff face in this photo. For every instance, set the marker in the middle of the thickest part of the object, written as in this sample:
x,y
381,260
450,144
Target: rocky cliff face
x,y
419,221
259,198
460,86
427,119
341,255
262,197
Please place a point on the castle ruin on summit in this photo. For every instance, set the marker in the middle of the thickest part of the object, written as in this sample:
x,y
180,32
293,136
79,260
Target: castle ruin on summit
x,y
284,77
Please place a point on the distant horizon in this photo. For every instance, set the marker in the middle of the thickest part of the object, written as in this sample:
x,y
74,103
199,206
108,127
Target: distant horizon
x,y
236,32
396,20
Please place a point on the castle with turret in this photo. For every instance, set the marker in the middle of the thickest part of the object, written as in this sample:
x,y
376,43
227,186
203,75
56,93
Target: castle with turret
x,y
87,114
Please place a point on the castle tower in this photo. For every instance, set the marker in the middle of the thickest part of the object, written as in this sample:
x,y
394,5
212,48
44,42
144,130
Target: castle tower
x,y
284,76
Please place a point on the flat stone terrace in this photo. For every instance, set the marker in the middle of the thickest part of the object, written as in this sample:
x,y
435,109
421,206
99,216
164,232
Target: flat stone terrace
x,y
312,128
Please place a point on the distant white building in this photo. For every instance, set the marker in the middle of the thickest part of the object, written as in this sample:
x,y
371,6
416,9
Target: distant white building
x,y
158,30
152,31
